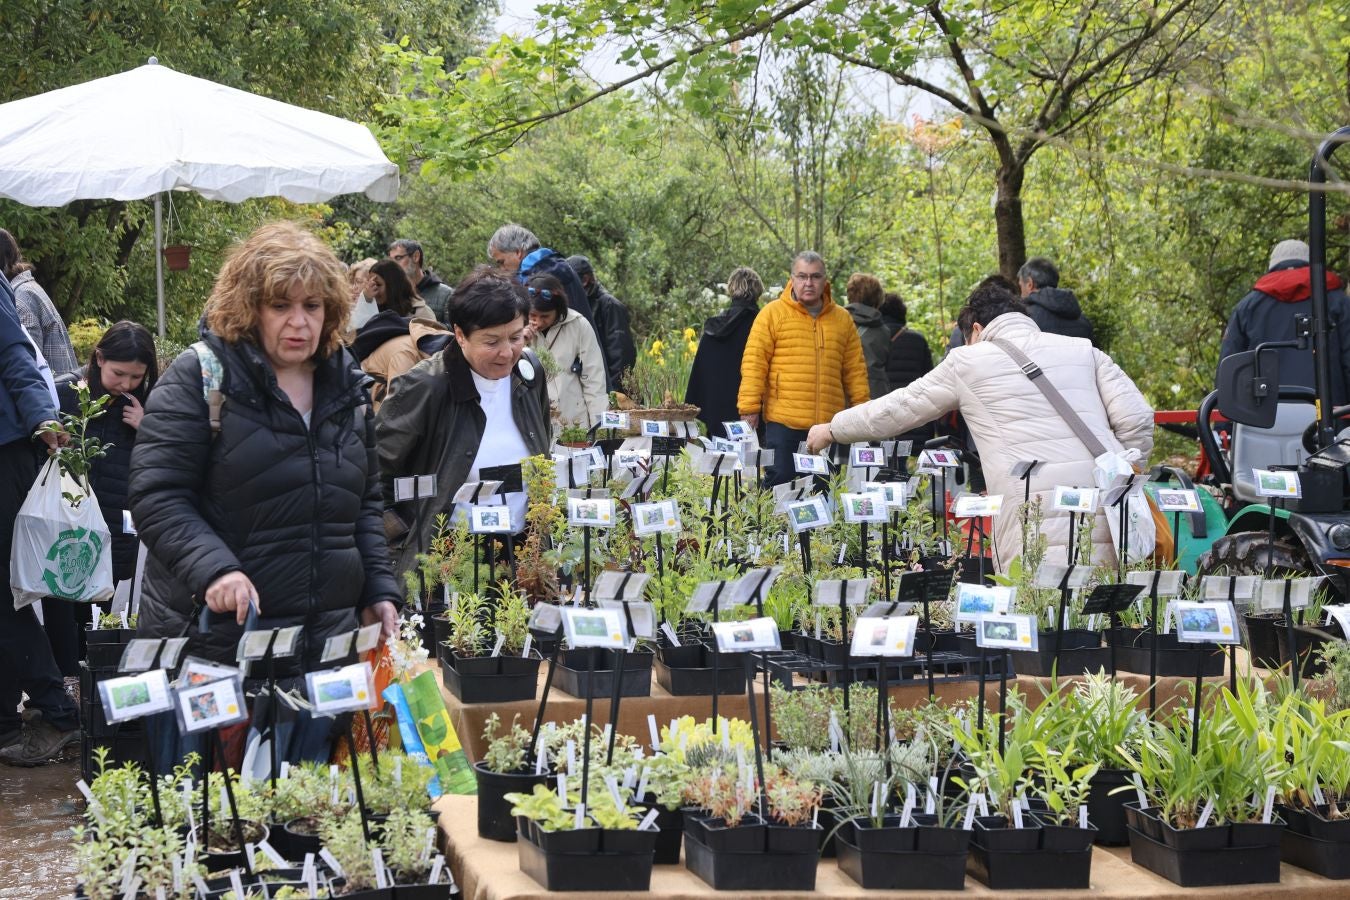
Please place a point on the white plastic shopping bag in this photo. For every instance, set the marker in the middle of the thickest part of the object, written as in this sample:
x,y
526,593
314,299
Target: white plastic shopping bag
x,y
1112,470
62,547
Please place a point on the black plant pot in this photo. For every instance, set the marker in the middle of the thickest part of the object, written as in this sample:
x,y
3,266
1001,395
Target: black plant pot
x,y
1064,838
1255,834
828,818
1211,837
1107,810
794,838
495,821
1310,641
1175,660
617,840
223,861
687,671
1030,870
889,837
1081,651
1206,868
422,891
297,843
670,834
572,676
1330,859
994,833
729,870
901,870
1262,644
490,679
587,871
934,838
104,646
1324,829
747,837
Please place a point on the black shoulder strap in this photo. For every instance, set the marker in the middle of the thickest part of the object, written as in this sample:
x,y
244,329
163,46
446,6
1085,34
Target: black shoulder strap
x,y
1066,412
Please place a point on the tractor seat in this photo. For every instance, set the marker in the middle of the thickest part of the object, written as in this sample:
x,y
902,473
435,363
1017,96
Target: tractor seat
x,y
1261,448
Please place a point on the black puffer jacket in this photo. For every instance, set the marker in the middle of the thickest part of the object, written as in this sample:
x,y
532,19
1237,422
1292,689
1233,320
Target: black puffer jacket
x,y
1057,311
908,360
108,475
296,508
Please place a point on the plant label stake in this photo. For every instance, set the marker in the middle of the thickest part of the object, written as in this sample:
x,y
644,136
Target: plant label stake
x,y
761,635
1204,623
920,588
1112,599
1023,470
1002,632
546,622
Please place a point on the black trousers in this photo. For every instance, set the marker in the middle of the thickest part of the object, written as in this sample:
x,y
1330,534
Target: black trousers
x,y
26,662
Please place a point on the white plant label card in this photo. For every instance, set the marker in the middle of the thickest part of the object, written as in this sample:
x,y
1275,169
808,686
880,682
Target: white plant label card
x,y
595,628
414,487
724,445
642,614
1074,499
864,507
134,696
1300,592
200,671
717,462
139,655
864,457
808,514
1006,632
1207,622
612,418
750,635
597,512
970,506
128,526
545,618
661,517
894,492
1217,587
212,705
974,601
368,637
337,647
348,689
1276,484
477,491
754,584
709,592
636,460
943,459
1051,575
1340,614
490,520
893,636
831,591
810,464
612,585
737,430
655,428
1170,581
755,458
1178,500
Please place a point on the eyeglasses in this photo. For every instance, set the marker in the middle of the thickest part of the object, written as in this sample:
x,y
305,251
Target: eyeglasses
x,y
541,292
808,276
398,257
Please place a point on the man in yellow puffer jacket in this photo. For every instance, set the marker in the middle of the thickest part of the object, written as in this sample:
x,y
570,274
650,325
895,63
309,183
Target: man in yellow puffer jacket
x,y
803,360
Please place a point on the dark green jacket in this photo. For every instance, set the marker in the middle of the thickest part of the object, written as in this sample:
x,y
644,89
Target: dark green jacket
x,y
432,422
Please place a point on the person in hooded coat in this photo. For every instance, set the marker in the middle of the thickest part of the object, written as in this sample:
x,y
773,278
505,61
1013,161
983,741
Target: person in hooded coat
x,y
715,376
1055,310
864,305
389,345
1269,311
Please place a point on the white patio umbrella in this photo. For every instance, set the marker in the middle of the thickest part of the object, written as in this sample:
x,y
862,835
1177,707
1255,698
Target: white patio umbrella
x,y
151,130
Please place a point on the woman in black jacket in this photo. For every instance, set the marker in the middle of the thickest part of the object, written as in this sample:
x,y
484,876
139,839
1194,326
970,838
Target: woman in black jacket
x,y
122,368
270,500
715,376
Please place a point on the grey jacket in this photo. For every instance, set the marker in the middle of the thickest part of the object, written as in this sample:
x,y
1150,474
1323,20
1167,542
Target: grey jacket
x,y
876,344
431,421
43,324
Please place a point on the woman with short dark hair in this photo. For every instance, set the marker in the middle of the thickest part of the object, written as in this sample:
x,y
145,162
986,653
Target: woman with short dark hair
x,y
481,402
567,343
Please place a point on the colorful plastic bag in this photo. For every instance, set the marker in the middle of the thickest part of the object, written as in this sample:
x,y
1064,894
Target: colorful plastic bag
x,y
61,546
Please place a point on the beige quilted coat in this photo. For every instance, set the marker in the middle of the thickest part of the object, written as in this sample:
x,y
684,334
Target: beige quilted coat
x,y
1010,421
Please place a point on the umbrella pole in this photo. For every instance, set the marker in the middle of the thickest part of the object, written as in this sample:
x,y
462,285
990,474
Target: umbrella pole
x,y
159,262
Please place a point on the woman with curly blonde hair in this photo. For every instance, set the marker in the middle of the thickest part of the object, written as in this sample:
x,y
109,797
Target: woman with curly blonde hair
x,y
254,481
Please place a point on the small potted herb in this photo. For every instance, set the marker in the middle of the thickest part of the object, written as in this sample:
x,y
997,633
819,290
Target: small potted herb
x,y
600,849
480,668
506,768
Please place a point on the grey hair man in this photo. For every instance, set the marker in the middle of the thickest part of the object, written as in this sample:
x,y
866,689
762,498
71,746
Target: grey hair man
x,y
434,292
1051,307
516,251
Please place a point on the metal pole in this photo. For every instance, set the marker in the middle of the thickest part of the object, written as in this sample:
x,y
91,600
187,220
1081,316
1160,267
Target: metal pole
x,y
159,263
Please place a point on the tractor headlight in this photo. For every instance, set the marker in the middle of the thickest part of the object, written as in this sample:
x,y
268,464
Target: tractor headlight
x,y
1340,536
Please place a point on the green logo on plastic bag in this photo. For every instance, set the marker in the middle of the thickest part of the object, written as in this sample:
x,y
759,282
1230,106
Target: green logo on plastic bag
x,y
75,554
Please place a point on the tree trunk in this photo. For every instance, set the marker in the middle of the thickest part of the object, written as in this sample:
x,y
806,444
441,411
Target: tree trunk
x,y
1012,238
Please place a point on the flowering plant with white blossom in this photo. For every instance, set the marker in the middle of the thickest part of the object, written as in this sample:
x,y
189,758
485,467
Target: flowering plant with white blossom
x,y
406,651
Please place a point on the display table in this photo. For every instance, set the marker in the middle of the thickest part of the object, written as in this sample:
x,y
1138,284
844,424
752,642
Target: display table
x,y
488,870
468,718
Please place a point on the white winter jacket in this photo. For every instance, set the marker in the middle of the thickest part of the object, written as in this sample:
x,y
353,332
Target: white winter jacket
x,y
1010,420
576,399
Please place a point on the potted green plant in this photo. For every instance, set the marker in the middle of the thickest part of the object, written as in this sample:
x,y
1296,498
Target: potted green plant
x,y
345,839
480,668
1315,795
408,839
506,768
600,849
